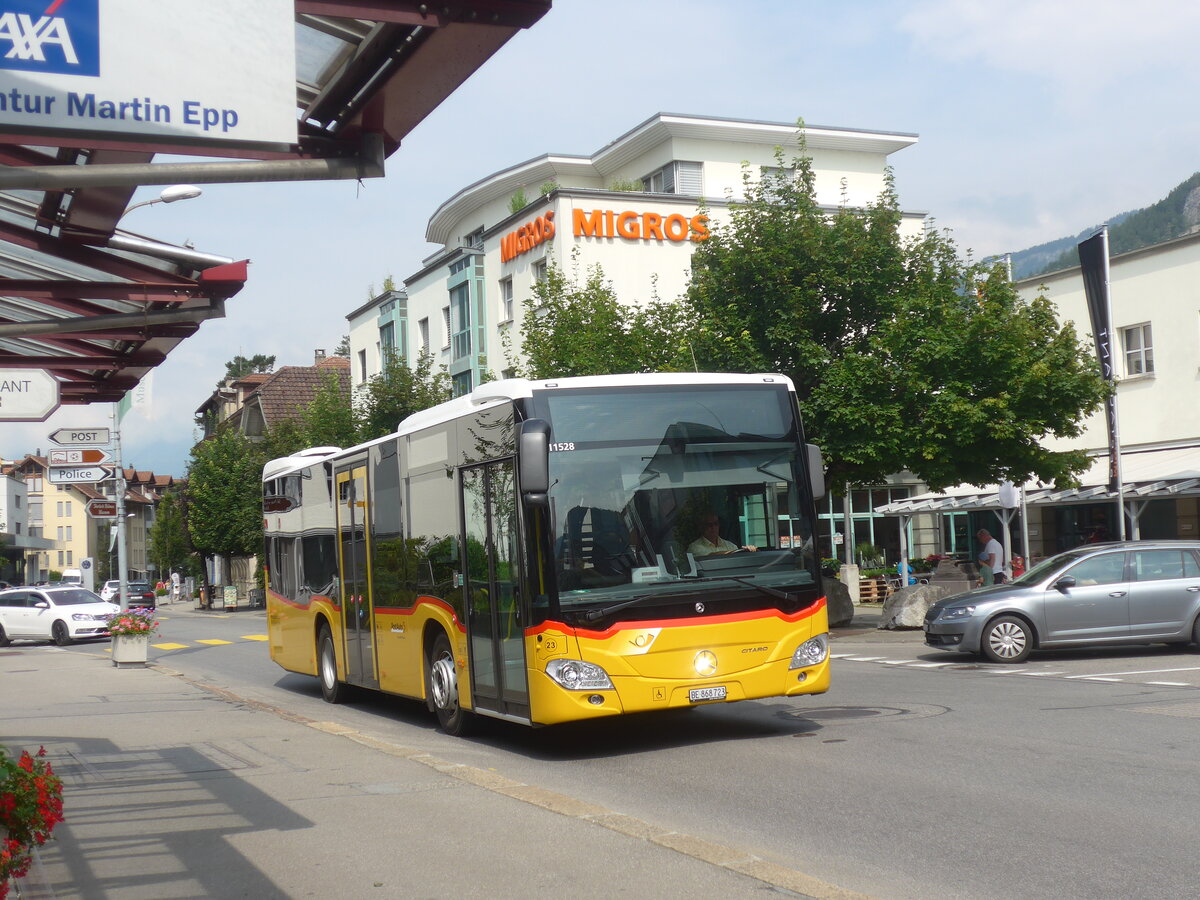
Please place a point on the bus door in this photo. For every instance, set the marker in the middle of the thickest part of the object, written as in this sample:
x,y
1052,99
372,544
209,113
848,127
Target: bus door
x,y
353,523
493,590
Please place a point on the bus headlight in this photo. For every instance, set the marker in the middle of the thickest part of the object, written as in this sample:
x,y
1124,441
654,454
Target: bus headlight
x,y
811,652
576,675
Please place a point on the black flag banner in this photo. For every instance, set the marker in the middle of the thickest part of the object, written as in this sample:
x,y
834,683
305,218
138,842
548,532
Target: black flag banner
x,y
1093,265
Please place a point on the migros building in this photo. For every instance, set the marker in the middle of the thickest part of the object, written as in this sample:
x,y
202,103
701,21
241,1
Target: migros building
x,y
637,208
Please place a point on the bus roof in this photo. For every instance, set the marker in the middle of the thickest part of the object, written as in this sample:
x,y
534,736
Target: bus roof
x,y
494,393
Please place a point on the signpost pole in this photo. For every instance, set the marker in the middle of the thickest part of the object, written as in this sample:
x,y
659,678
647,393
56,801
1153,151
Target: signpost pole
x,y
122,561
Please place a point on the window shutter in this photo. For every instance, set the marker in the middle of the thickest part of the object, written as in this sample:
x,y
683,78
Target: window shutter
x,y
689,178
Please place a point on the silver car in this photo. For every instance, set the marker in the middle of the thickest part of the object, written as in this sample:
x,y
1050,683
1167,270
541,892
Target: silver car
x,y
1120,593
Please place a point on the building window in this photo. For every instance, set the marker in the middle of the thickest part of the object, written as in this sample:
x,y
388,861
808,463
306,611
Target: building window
x,y
1139,350
17,502
460,321
676,177
70,537
461,384
362,365
58,509
67,508
18,524
60,532
70,557
423,334
506,300
33,484
539,272
387,343
474,240
459,264
445,328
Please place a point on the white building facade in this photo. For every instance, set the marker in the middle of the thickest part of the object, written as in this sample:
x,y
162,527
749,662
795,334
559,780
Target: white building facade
x,y
637,208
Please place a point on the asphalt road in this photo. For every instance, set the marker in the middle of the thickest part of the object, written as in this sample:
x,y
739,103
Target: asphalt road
x,y
920,775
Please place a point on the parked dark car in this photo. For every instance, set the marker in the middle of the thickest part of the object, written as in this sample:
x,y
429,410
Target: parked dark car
x,y
141,595
1130,592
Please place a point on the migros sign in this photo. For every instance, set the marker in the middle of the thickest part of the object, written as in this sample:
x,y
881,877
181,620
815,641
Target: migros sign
x,y
606,223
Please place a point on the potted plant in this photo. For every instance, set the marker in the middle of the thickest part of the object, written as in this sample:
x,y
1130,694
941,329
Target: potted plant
x,y
131,630
30,807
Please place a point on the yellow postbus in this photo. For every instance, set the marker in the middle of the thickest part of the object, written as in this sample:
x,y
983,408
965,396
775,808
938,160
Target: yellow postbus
x,y
550,551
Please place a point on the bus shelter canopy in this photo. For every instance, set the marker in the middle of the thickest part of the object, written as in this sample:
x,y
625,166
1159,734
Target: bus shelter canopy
x,y
99,307
1147,475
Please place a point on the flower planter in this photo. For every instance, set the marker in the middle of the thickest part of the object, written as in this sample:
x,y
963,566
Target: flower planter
x,y
130,650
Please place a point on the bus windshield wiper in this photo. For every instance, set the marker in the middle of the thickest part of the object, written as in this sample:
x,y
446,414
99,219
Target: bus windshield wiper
x,y
594,614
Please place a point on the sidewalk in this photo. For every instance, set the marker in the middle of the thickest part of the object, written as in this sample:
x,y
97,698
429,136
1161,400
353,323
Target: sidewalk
x,y
864,628
173,790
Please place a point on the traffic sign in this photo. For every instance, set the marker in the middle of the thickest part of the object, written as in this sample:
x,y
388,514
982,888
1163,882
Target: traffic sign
x,y
84,456
27,395
79,474
80,437
102,509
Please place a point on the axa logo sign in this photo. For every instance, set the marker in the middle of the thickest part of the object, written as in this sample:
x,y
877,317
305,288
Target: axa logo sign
x,y
52,36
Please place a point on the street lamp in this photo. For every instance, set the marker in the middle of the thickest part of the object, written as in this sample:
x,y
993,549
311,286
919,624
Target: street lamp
x,y
168,195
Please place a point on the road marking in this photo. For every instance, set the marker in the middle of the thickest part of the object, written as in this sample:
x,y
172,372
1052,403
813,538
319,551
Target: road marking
x,y
254,637
1141,672
170,646
1094,678
898,662
213,641
1043,674
1170,683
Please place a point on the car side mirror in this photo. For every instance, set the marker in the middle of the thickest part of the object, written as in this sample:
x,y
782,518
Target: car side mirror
x,y
1062,585
41,604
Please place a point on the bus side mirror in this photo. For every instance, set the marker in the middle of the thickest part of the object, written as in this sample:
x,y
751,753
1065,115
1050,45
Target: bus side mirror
x,y
533,457
816,471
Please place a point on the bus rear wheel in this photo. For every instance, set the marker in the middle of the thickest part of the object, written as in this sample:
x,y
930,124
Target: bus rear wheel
x,y
332,690
442,678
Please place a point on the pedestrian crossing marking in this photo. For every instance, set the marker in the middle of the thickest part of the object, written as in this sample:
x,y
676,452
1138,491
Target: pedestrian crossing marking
x,y
170,646
213,641
1013,671
255,637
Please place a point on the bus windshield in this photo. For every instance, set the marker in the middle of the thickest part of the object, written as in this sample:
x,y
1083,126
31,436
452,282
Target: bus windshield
x,y
657,491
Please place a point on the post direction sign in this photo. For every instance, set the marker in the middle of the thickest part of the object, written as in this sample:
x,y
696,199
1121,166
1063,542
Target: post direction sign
x,y
102,509
79,474
84,456
80,437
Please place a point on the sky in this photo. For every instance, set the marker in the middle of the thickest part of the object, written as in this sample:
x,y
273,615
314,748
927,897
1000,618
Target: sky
x,y
1036,119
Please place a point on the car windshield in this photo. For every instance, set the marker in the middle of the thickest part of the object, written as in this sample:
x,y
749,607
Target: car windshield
x,y
1046,566
72,598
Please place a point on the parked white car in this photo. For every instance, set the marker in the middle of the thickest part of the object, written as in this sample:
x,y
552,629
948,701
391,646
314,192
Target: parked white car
x,y
59,613
111,591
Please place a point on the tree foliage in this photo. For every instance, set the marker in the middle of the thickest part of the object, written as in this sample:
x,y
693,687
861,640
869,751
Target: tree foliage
x,y
170,547
225,495
241,366
584,329
904,355
398,392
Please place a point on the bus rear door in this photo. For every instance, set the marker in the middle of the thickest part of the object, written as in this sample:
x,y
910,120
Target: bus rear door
x,y
353,523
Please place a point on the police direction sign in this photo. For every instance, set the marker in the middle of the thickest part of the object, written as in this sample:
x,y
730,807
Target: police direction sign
x,y
27,395
79,474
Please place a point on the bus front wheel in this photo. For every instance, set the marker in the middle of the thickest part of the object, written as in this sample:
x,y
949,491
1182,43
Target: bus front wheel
x,y
332,690
442,678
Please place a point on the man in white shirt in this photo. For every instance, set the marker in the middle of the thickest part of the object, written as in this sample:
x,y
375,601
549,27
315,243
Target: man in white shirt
x,y
710,540
992,556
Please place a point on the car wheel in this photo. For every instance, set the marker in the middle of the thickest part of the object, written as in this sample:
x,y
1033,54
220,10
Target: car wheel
x,y
60,633
4,641
1007,640
442,678
1196,631
332,690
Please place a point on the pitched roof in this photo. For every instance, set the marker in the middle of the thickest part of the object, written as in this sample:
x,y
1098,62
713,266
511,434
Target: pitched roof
x,y
292,388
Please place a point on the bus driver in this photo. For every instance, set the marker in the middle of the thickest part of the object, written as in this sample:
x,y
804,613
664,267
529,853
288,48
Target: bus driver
x,y
710,541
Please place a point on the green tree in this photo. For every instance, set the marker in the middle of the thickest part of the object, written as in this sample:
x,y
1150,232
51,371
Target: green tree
x,y
903,354
584,329
170,547
328,420
224,495
398,392
241,366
